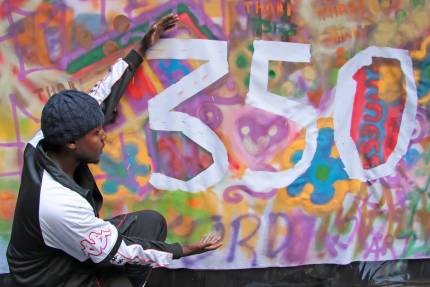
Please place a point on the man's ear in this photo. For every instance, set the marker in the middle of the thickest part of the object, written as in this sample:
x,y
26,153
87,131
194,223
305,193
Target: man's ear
x,y
71,145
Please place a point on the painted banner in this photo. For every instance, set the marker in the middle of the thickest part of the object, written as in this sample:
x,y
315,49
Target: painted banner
x,y
298,130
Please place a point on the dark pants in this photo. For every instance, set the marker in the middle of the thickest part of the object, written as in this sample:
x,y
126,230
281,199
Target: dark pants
x,y
136,228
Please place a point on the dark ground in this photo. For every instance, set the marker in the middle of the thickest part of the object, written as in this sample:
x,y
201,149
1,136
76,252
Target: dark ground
x,y
388,273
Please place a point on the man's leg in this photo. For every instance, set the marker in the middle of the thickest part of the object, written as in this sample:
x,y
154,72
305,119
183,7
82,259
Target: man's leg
x,y
113,280
147,224
136,227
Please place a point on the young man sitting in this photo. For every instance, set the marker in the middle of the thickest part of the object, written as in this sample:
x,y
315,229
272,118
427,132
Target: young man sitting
x,y
57,237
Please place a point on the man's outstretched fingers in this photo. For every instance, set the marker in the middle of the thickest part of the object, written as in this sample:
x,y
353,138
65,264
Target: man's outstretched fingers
x,y
217,243
211,241
210,238
168,20
156,30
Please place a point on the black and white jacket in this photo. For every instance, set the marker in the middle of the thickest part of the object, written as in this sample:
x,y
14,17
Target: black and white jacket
x,y
56,224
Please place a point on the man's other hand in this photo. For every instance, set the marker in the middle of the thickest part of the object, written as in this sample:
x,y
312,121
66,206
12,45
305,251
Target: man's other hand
x,y
208,242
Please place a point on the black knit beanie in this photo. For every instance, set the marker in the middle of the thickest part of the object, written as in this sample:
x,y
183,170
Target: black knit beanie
x,y
69,115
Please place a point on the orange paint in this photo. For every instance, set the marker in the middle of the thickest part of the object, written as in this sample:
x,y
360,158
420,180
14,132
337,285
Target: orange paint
x,y
7,206
32,39
315,97
195,203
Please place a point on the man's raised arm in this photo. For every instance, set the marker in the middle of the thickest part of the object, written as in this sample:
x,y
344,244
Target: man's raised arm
x,y
110,89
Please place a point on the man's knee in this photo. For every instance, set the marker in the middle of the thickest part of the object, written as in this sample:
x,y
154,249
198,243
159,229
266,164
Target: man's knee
x,y
149,224
152,216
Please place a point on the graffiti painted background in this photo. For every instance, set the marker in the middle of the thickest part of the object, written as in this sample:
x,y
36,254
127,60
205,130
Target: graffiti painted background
x,y
299,130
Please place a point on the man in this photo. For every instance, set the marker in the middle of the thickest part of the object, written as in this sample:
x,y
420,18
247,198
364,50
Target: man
x,y
57,237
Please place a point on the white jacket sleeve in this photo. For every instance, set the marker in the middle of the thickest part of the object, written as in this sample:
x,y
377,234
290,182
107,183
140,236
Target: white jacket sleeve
x,y
111,88
68,223
103,88
135,254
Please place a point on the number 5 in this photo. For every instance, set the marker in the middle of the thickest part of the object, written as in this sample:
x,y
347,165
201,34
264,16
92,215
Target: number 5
x,y
260,97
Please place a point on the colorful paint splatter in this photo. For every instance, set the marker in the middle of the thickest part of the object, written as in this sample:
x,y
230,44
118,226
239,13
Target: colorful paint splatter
x,y
298,130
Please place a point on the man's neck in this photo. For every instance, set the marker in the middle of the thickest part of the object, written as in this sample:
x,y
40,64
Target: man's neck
x,y
66,162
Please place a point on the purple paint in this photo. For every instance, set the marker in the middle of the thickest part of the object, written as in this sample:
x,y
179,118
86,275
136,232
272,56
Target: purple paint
x,y
299,237
274,217
232,193
235,241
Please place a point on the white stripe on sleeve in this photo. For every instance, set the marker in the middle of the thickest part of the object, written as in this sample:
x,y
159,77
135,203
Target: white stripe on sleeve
x,y
103,88
135,254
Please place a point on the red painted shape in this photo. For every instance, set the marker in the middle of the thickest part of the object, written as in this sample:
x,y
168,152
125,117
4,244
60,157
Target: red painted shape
x,y
359,102
9,6
375,121
392,127
186,19
140,86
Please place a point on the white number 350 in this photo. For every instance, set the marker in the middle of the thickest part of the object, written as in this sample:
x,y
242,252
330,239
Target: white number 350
x,y
163,118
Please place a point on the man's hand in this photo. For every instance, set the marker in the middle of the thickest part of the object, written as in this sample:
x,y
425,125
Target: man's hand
x,y
207,243
157,29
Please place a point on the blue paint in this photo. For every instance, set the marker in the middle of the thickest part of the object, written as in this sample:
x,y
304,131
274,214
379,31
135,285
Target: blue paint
x,y
92,22
423,85
324,171
4,268
297,156
412,156
173,70
119,174
371,75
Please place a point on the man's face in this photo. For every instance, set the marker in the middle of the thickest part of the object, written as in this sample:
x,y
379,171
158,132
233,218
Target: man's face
x,y
90,146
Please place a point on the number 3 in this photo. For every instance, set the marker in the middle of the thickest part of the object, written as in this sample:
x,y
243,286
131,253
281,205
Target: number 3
x,y
163,118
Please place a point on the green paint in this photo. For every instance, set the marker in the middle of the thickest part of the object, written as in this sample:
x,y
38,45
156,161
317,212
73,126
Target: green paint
x,y
97,54
5,228
401,16
272,74
12,185
290,32
108,211
322,172
241,61
250,47
416,3
348,229
412,249
425,155
426,72
178,200
246,81
25,126
333,76
413,198
408,232
277,91
88,59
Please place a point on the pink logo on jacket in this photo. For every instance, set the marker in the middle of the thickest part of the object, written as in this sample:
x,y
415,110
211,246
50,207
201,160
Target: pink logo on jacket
x,y
96,243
